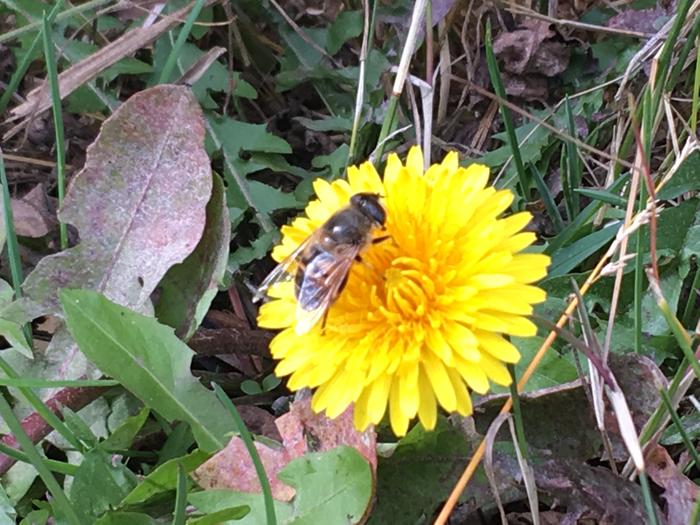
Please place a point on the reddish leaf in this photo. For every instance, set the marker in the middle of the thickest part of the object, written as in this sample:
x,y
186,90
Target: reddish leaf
x,y
680,492
302,431
139,202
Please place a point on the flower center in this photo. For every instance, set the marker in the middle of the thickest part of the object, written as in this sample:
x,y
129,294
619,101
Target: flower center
x,y
408,290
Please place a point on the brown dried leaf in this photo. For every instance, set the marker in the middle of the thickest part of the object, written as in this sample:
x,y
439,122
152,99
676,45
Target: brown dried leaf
x,y
680,492
591,493
640,20
532,48
302,431
560,419
32,214
139,202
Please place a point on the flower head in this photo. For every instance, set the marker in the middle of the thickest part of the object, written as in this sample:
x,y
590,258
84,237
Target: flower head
x,y
422,319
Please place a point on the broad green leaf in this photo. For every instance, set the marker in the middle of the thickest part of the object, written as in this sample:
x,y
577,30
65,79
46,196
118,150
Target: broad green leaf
x,y
413,481
686,178
326,124
186,283
8,514
554,369
332,487
100,485
215,518
347,25
125,518
216,78
216,500
164,478
238,136
149,360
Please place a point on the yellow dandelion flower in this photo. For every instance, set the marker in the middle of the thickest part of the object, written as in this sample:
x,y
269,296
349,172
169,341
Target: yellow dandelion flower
x,y
423,319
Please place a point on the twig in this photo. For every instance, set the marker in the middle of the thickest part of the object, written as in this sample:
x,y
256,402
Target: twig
x,y
37,429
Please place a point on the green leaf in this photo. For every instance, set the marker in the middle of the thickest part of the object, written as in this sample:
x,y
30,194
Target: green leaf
x,y
216,78
100,485
240,136
270,382
554,369
124,434
691,425
186,283
216,500
164,478
231,513
566,259
8,515
603,196
347,25
125,518
78,427
250,387
686,179
332,487
413,481
149,360
257,250
326,124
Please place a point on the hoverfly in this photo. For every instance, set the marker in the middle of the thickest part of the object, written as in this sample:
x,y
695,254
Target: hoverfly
x,y
321,264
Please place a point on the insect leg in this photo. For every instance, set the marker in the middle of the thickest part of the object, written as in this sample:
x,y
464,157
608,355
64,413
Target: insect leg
x,y
381,239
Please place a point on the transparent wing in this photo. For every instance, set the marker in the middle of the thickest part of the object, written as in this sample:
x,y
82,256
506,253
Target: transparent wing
x,y
285,270
324,278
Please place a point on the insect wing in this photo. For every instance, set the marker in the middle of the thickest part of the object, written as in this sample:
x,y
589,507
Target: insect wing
x,y
285,270
324,277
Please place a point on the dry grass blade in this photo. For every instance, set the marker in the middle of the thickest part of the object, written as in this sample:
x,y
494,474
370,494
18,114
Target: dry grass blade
x,y
39,99
528,477
490,440
196,70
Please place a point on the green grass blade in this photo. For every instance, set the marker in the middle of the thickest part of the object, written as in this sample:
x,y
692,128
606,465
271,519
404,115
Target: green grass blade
x,y
59,467
179,516
33,26
696,94
602,195
387,126
12,244
677,329
60,501
573,229
573,172
181,39
648,501
676,421
517,414
248,441
495,76
664,62
29,382
52,74
24,65
40,407
547,198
